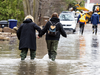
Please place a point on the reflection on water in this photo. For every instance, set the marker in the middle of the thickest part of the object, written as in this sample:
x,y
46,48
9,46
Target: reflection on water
x,y
27,68
71,51
48,68
12,64
94,46
82,46
90,54
52,68
9,49
68,48
41,47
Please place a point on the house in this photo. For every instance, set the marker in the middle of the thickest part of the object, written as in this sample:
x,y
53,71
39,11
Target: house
x,y
95,1
89,4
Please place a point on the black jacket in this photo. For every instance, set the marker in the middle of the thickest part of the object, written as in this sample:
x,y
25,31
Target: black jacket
x,y
59,28
27,35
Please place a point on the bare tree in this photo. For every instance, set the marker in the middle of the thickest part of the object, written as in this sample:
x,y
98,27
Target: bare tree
x,y
31,7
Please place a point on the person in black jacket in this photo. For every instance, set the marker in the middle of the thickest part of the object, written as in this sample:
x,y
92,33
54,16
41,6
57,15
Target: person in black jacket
x,y
52,41
27,37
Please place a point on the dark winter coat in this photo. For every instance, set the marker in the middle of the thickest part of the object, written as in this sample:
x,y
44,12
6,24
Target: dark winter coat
x,y
59,28
95,19
27,35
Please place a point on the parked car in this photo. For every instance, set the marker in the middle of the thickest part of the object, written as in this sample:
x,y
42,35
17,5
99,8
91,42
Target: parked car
x,y
68,20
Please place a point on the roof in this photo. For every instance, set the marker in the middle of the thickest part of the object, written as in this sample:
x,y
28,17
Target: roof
x,y
94,1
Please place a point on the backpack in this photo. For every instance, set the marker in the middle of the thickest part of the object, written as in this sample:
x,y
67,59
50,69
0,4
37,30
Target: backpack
x,y
52,29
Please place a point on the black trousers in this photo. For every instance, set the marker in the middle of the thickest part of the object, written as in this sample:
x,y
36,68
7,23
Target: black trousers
x,y
81,26
94,27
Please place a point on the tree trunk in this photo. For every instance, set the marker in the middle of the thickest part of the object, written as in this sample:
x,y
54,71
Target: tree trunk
x,y
31,7
25,7
28,7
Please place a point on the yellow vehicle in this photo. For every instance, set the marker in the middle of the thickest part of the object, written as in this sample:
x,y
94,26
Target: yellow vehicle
x,y
89,13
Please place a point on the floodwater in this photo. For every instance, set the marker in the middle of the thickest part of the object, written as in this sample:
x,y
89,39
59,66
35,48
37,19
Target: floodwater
x,y
77,55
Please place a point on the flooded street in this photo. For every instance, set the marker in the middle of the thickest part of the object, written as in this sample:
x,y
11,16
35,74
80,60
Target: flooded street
x,y
77,55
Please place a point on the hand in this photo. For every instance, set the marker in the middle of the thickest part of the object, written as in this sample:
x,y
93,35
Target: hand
x,y
38,37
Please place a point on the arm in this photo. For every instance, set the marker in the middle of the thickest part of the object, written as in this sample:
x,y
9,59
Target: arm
x,y
62,31
91,19
44,30
37,27
98,19
78,19
19,32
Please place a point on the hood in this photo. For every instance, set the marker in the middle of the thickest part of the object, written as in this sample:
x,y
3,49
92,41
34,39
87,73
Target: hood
x,y
55,19
27,21
95,13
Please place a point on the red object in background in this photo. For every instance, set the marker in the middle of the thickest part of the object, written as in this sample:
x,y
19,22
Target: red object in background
x,y
97,8
95,1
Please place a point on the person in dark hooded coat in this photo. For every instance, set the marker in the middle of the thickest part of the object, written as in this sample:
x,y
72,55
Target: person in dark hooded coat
x,y
52,41
27,37
95,21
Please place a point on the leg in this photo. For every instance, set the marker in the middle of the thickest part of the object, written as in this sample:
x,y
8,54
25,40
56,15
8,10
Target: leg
x,y
93,28
82,29
49,47
24,53
32,54
54,49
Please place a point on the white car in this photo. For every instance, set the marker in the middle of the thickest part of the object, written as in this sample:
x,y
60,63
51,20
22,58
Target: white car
x,y
68,21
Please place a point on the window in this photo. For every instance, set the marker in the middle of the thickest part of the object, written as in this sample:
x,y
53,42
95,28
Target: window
x,y
66,17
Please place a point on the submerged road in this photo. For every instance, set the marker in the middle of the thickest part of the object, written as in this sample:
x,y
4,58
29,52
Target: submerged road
x,y
77,55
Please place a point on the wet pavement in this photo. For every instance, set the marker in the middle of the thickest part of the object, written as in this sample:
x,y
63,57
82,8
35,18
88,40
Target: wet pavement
x,y
77,55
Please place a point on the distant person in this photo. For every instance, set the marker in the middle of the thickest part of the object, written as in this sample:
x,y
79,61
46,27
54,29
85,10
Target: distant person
x,y
71,9
95,21
97,8
82,21
27,37
53,38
